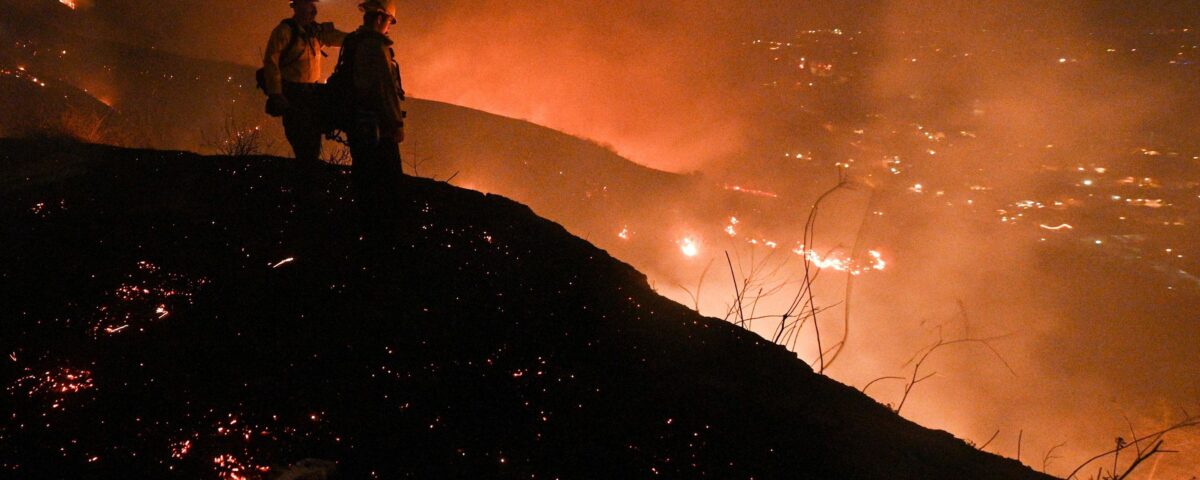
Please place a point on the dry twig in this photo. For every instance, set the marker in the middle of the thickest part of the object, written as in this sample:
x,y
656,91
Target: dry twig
x,y
1154,438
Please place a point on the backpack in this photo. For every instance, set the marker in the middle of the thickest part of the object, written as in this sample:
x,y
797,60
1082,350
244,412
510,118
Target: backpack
x,y
260,75
336,96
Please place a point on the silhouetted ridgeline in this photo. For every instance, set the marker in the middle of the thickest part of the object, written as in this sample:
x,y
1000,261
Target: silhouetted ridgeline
x,y
170,315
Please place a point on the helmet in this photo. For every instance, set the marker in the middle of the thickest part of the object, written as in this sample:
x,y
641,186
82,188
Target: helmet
x,y
386,7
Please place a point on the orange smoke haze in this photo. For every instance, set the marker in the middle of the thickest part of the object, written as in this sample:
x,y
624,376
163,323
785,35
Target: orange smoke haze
x,y
655,81
652,80
1039,94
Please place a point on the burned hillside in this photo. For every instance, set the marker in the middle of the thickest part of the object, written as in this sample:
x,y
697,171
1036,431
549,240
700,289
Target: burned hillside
x,y
179,316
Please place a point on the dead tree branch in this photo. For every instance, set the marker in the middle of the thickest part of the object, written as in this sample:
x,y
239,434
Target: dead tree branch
x,y
923,355
1154,438
1050,456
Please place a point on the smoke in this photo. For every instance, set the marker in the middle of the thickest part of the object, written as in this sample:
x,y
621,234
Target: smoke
x,y
651,79
661,82
1035,86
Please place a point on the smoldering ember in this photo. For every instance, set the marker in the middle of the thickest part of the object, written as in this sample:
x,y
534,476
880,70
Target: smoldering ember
x,y
375,239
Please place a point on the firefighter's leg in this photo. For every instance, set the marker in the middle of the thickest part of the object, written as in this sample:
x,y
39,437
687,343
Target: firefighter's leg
x,y
364,176
390,172
300,124
303,134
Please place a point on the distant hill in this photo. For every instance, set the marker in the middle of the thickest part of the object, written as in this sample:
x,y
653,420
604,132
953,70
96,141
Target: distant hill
x,y
158,99
126,95
177,316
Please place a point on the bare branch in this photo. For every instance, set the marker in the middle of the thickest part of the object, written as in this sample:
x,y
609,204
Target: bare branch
x,y
922,355
1157,448
736,290
989,442
1156,436
1020,439
1050,456
872,382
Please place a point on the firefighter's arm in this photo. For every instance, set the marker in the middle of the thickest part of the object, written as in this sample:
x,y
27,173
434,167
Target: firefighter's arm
x,y
373,80
330,36
273,77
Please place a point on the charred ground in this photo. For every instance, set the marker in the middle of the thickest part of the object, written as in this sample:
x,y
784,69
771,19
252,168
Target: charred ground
x,y
157,329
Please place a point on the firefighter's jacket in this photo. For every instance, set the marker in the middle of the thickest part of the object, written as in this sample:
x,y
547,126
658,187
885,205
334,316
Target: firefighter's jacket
x,y
299,61
377,86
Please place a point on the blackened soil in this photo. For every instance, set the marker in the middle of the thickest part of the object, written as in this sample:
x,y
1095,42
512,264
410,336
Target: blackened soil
x,y
168,315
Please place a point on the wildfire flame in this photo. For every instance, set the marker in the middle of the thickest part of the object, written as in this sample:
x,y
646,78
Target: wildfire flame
x,y
750,191
689,247
838,261
69,3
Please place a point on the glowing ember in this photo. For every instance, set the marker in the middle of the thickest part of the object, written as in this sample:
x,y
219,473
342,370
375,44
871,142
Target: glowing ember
x,y
283,262
624,234
232,427
229,467
149,295
1065,226
24,75
181,449
689,247
54,386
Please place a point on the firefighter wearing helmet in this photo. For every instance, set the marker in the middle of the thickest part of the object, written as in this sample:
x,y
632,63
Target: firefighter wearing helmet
x,y
376,130
291,72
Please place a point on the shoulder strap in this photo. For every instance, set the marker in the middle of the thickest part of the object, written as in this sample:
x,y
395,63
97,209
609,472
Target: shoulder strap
x,y
296,34
344,66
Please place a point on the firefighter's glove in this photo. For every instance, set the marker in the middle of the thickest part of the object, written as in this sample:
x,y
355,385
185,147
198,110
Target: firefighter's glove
x,y
277,105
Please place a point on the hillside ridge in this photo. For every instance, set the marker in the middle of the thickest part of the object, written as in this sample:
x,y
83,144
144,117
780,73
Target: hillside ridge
x,y
182,316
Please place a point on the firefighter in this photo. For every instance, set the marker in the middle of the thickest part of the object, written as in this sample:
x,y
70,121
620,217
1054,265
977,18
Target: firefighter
x,y
377,125
291,71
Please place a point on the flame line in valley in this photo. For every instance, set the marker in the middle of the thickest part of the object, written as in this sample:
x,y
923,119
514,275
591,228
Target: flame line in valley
x,y
750,191
833,261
